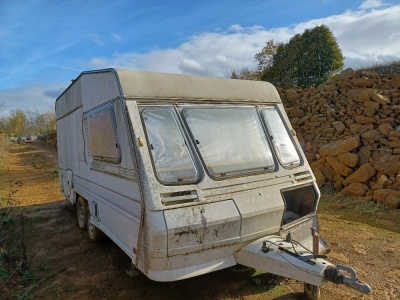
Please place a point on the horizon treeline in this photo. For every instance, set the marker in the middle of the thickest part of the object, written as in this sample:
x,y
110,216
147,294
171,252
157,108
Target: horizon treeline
x,y
27,122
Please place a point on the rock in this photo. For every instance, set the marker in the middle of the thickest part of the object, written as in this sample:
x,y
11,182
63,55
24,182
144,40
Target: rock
x,y
363,173
381,99
364,120
363,156
385,129
394,144
371,135
390,167
359,248
360,95
356,128
319,177
347,73
339,126
338,166
338,147
362,82
390,198
383,180
349,159
355,189
395,82
291,95
392,201
371,104
338,185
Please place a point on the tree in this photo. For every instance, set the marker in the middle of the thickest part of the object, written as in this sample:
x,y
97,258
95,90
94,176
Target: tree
x,y
266,55
245,74
308,59
28,122
16,124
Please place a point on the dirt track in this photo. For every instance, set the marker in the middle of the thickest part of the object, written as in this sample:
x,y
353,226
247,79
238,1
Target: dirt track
x,y
44,255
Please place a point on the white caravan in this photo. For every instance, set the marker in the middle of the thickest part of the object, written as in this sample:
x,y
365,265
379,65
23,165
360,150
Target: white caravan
x,y
189,175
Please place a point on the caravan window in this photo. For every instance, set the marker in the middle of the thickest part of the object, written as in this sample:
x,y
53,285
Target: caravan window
x,y
103,139
171,156
283,145
230,140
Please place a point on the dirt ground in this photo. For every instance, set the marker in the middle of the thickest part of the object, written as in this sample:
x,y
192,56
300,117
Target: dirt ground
x,y
44,255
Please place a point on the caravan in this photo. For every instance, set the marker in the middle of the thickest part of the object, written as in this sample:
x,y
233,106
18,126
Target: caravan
x,y
189,175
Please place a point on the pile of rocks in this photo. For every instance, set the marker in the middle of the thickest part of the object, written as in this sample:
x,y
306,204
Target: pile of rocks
x,y
349,128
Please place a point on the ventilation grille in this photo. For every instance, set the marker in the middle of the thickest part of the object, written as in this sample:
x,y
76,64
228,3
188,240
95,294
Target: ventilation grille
x,y
302,176
179,197
112,169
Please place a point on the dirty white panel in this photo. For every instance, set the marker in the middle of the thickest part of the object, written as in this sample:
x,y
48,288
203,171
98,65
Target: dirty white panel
x,y
261,212
98,88
200,227
141,84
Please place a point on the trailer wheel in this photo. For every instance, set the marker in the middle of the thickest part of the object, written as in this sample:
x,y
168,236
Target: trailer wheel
x,y
82,212
312,292
94,233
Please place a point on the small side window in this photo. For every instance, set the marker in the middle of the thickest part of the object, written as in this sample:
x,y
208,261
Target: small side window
x,y
284,148
103,138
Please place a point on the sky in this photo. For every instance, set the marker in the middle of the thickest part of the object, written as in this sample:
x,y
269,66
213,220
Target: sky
x,y
45,44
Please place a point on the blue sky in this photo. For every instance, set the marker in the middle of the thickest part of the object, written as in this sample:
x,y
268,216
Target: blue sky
x,y
44,44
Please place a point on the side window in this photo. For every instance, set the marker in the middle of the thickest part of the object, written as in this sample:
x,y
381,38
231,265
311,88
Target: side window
x,y
285,150
102,132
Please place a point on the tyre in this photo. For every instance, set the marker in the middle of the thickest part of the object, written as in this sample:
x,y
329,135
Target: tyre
x,y
82,212
94,233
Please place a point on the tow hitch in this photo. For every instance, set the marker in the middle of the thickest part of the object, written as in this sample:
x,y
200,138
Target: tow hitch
x,y
288,258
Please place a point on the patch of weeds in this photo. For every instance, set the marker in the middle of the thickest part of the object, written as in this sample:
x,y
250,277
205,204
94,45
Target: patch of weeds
x,y
52,172
8,202
266,282
279,290
3,272
38,161
71,290
28,275
44,267
39,219
4,255
8,220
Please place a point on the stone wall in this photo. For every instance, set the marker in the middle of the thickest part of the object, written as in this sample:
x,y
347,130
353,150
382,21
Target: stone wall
x,y
349,129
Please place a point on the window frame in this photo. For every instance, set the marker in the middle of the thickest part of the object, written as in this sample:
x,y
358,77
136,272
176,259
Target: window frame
x,y
93,135
241,173
181,130
269,130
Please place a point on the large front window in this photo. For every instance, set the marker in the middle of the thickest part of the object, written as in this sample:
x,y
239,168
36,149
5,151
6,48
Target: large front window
x,y
230,140
171,156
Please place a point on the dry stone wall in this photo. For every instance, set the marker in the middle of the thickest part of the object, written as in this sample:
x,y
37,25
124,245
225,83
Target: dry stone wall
x,y
349,128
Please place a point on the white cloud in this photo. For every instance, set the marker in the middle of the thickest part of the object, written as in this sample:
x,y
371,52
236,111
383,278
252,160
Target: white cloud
x,y
368,4
33,96
98,62
116,37
365,37
212,54
97,39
